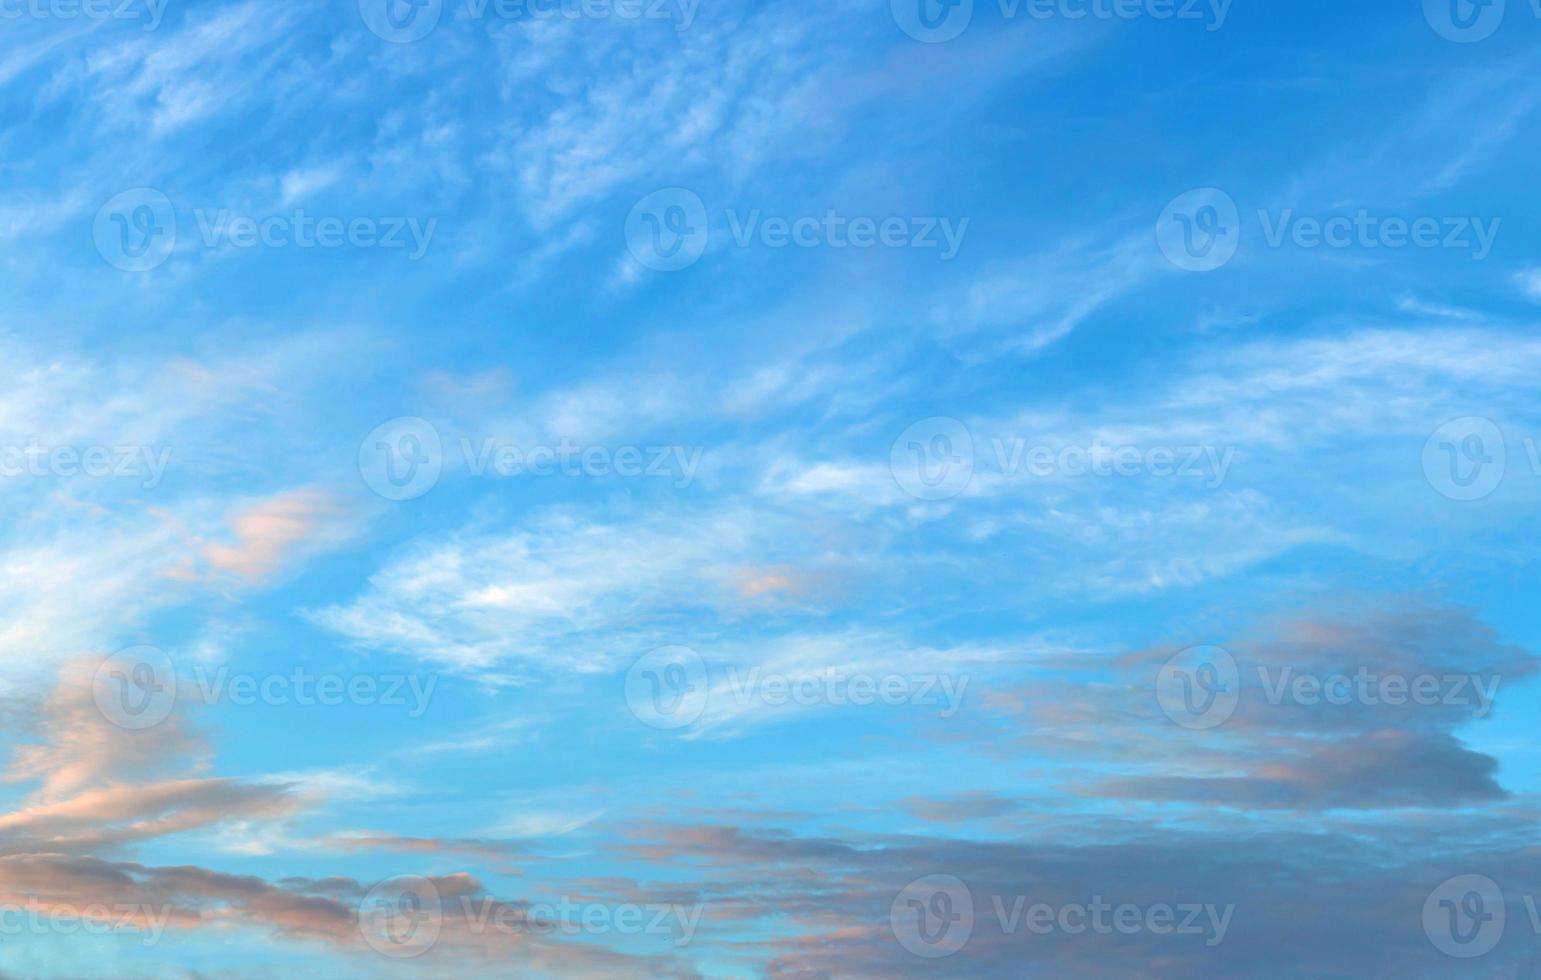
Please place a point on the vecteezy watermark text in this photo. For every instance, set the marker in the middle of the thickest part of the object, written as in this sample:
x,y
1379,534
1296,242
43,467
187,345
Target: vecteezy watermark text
x,y
491,457
406,21
404,917
36,917
670,230
1365,230
146,463
672,687
1372,688
137,688
936,21
834,230
403,459
1200,687
936,916
838,688
307,689
137,230
569,918
1209,464
301,230
680,13
936,459
1201,230
148,12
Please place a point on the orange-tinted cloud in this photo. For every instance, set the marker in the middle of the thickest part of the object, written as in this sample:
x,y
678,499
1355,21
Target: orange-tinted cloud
x,y
270,533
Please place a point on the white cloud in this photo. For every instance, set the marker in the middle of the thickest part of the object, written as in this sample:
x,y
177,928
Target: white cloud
x,y
92,558
561,591
1529,281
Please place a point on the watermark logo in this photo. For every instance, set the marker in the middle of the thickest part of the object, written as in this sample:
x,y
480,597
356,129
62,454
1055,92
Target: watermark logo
x,y
1465,917
135,689
402,459
401,918
1465,21
1200,687
933,459
401,21
136,231
668,230
933,21
933,917
668,688
1465,459
1200,231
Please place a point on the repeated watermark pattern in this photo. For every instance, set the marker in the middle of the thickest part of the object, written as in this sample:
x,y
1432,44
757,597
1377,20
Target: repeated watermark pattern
x,y
407,21
936,916
1201,231
147,464
937,21
936,459
672,687
670,229
137,230
139,687
147,13
403,918
404,459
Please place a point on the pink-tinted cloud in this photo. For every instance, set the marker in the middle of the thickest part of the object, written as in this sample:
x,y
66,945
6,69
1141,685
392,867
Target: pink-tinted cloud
x,y
271,533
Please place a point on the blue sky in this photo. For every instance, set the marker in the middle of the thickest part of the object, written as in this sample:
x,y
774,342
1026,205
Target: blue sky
x,y
739,490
